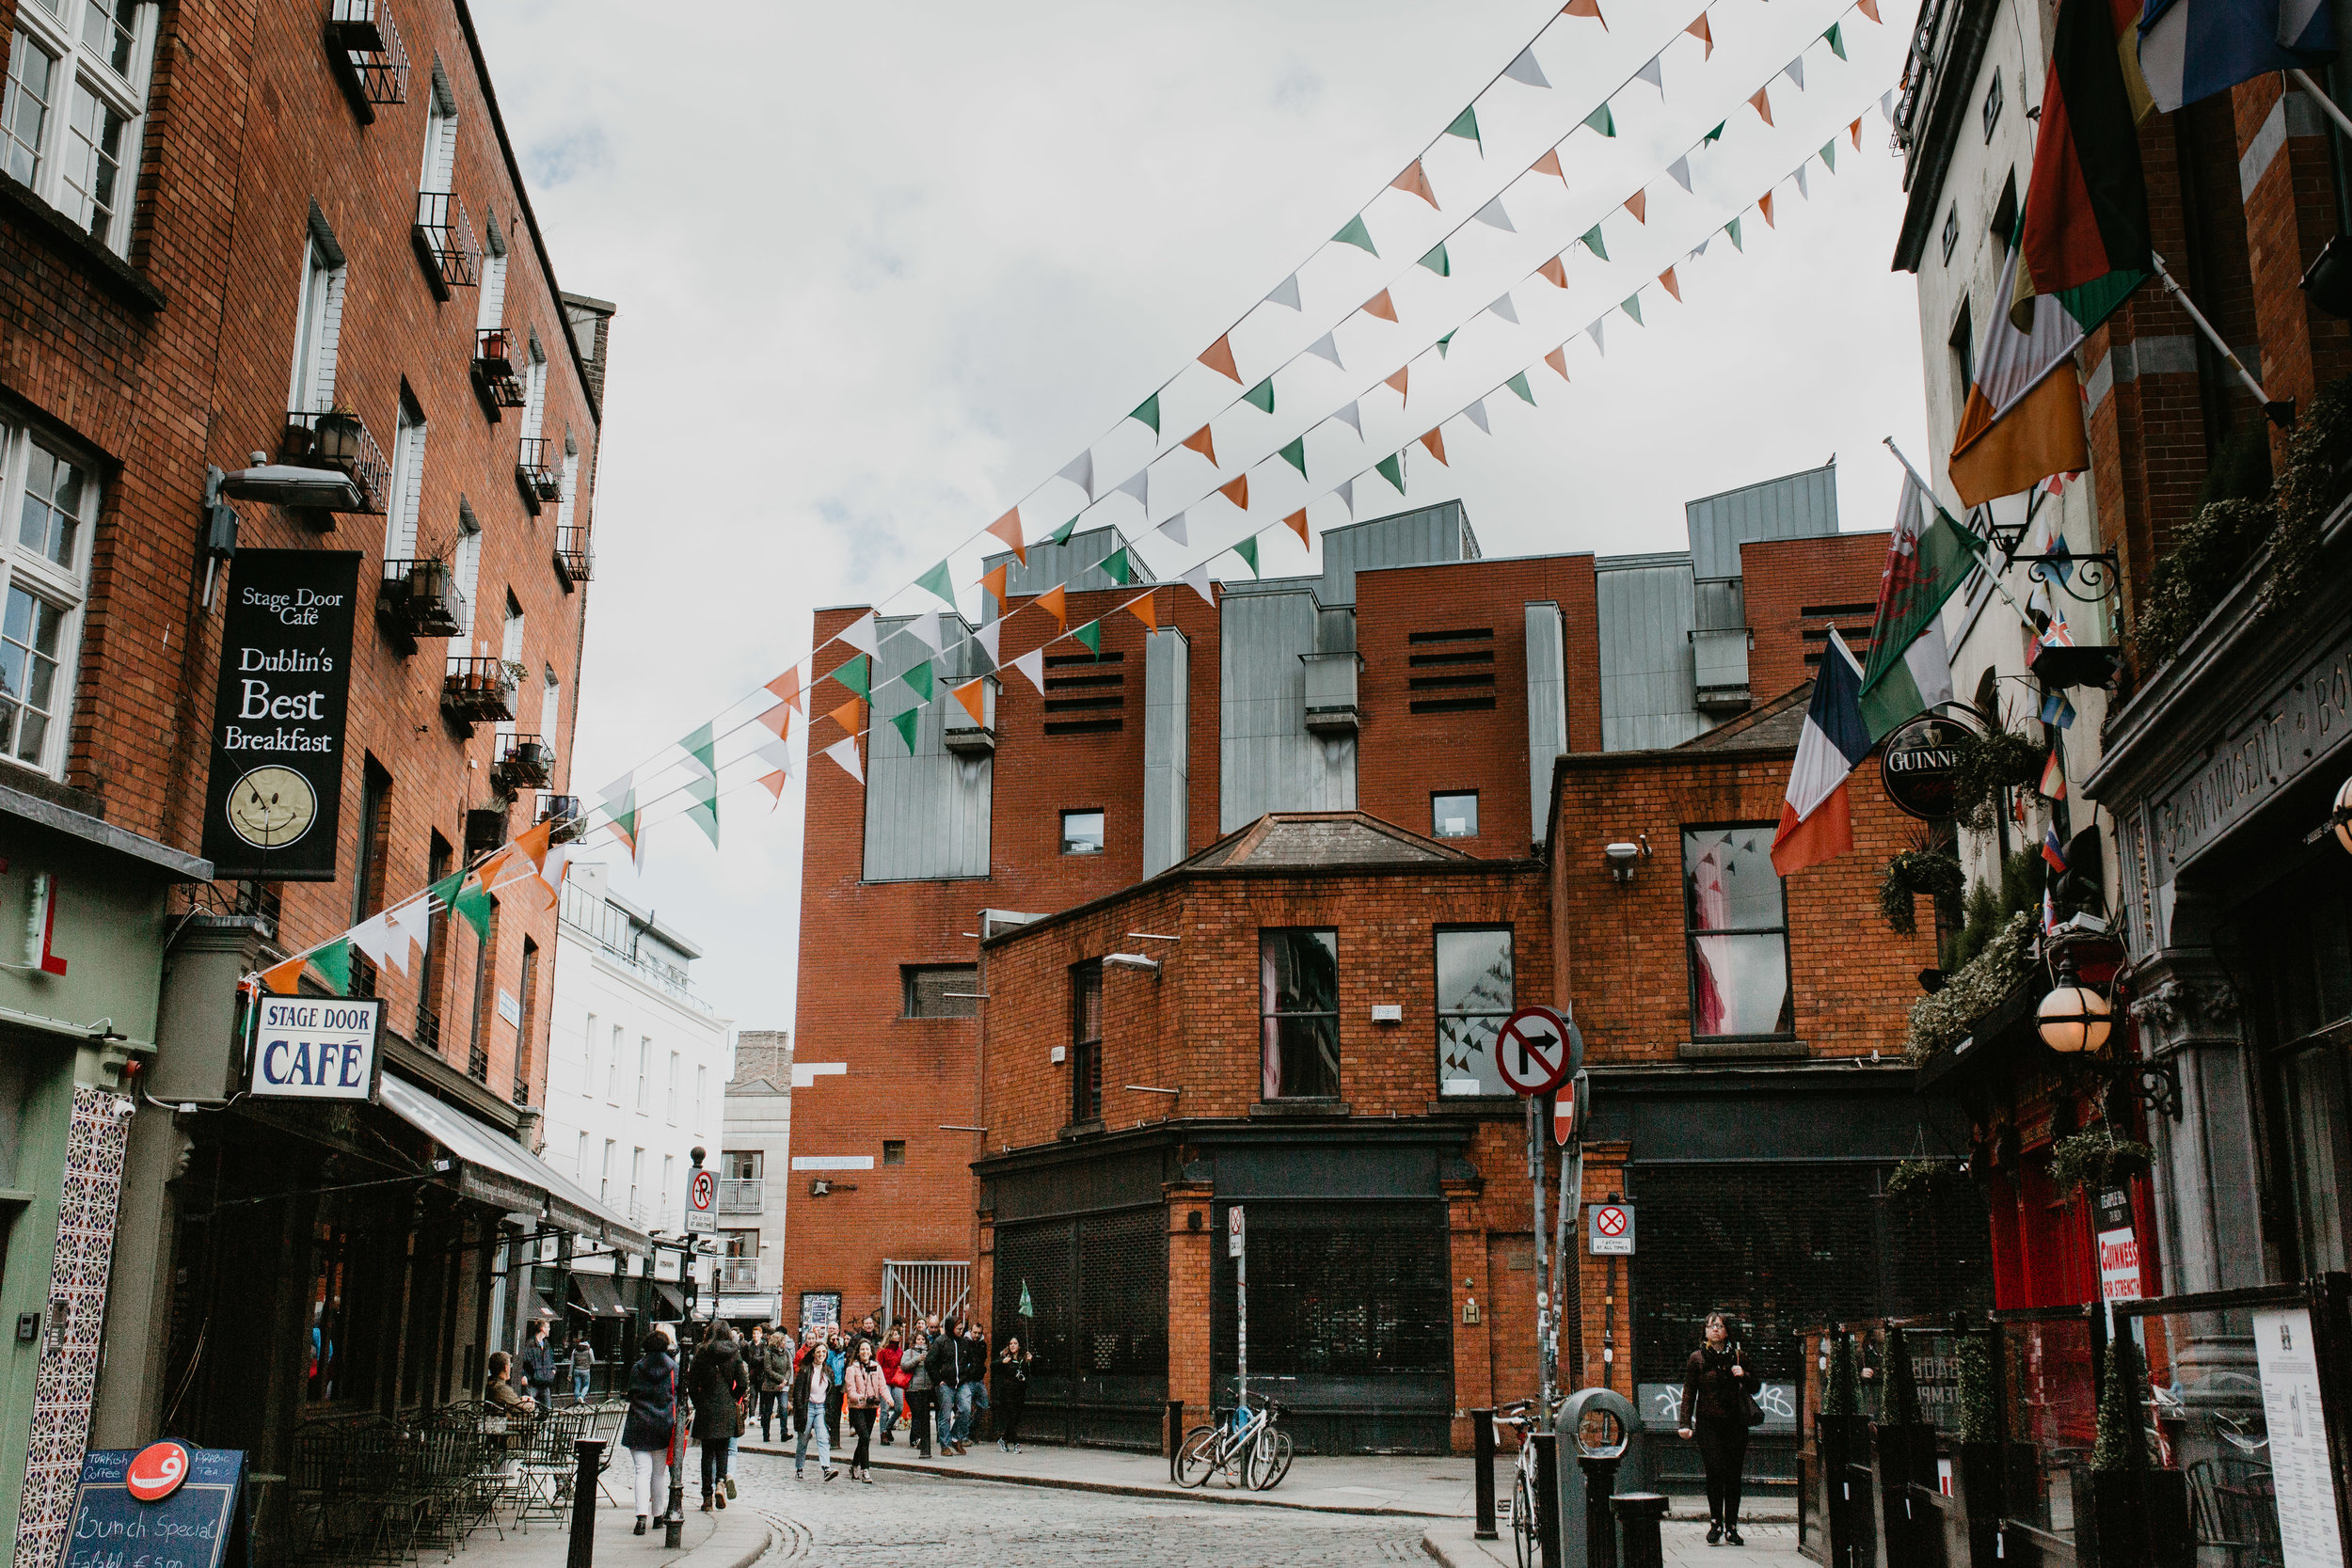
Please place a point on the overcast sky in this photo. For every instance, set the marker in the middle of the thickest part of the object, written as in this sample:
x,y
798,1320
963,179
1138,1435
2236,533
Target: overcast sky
x,y
882,270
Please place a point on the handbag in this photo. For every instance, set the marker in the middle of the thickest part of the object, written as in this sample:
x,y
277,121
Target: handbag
x,y
1749,1412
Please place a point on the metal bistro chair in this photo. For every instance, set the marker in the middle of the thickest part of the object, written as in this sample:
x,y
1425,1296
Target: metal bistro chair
x,y
548,1466
606,1418
2232,1508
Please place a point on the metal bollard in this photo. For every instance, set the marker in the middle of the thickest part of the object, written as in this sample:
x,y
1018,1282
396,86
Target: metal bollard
x,y
1482,1458
1175,1433
1548,1497
588,1456
1638,1513
1600,1525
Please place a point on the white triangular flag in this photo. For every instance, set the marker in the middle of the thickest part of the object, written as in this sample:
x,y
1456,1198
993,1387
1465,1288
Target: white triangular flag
x,y
1080,472
411,924
859,634
1795,72
1354,414
1032,664
986,636
1887,104
1507,310
1174,529
1802,189
1655,73
1494,216
616,795
374,937
1594,331
1702,249
775,753
1680,169
1285,293
1477,412
925,629
845,753
1198,580
1140,486
1326,347
1347,492
1525,70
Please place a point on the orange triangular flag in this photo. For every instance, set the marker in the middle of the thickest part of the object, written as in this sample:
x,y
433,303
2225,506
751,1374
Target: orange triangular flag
x,y
532,841
1398,381
1558,360
1297,521
628,839
286,978
1699,30
1549,164
1855,131
1008,528
1202,442
1585,7
1237,492
775,786
787,687
1870,8
850,715
1764,203
1434,441
1554,272
972,699
1378,306
779,719
992,582
1416,181
1054,603
1218,357
1637,204
1667,279
1145,611
1762,103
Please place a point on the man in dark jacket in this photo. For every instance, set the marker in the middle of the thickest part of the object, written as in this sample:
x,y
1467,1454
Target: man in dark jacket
x,y
538,1359
948,1360
716,1382
775,1372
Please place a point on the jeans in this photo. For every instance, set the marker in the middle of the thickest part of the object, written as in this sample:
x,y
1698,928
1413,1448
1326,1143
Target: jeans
x,y
652,1467
955,1422
768,1401
824,1444
714,1464
579,1382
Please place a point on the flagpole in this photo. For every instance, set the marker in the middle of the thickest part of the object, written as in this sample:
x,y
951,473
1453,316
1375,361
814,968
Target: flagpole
x,y
2327,104
1995,578
2280,412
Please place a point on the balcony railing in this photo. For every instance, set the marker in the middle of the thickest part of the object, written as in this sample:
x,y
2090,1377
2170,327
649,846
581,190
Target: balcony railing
x,y
564,811
428,1030
575,561
739,1273
419,599
493,378
742,1196
445,242
338,439
367,55
524,761
538,481
478,1063
479,689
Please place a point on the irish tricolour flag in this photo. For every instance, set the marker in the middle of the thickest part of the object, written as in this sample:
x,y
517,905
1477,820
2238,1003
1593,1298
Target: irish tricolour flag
x,y
1817,817
1910,669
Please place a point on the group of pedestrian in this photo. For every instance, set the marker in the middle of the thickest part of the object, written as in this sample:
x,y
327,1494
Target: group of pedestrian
x,y
932,1380
707,1404
544,1362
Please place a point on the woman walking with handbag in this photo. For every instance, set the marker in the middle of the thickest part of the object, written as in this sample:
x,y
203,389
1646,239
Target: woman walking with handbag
x,y
863,1393
1717,1408
652,1416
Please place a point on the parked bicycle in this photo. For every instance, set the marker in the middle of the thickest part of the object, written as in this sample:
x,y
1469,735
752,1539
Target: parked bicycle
x,y
1249,1446
1519,1415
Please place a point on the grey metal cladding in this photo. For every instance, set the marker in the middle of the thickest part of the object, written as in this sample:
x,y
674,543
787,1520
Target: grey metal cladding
x,y
1795,506
1722,605
1267,759
1166,749
1439,533
1073,565
928,812
1547,709
1648,610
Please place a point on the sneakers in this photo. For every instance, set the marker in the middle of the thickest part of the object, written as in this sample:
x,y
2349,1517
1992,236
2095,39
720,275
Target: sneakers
x,y
799,1474
706,1505
641,1526
1003,1447
1731,1536
1016,1448
730,1484
830,1474
722,1499
1714,1531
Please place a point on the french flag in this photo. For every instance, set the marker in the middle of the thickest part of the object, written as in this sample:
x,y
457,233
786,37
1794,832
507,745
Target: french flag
x,y
1816,818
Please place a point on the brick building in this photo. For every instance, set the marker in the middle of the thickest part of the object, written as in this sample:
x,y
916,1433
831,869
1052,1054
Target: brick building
x,y
297,231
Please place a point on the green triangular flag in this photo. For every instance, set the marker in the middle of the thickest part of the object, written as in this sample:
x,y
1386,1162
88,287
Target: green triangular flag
x,y
333,963
1026,1310
1115,566
1466,126
1392,468
920,679
852,674
1091,635
701,807
1633,307
1519,384
937,581
1590,240
1247,550
1601,119
1439,261
1149,412
1837,40
1829,153
1262,394
1061,534
1714,135
444,891
1732,228
473,899
1446,342
1354,233
703,749
906,722
1295,456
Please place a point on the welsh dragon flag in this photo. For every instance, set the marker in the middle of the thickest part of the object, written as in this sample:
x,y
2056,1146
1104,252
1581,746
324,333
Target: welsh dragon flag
x,y
1910,669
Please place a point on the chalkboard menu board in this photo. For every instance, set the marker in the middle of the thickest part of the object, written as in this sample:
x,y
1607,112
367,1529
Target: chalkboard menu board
x,y
200,1523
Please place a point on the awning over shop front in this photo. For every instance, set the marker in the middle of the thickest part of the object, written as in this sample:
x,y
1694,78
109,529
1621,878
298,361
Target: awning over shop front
x,y
673,1300
540,1312
500,1171
598,1295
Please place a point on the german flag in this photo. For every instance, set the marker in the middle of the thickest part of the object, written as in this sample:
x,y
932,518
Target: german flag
x,y
2085,235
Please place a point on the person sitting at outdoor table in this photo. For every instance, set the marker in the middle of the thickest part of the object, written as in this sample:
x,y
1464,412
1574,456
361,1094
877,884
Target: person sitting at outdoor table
x,y
499,1390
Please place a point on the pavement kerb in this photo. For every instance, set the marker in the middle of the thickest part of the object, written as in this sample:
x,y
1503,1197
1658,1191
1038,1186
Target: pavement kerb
x,y
1452,1544
739,1538
1122,1489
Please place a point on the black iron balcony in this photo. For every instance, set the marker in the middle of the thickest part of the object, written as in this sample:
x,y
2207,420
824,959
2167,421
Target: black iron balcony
x,y
524,761
479,689
493,379
419,599
428,1029
564,811
338,439
538,480
478,1063
485,829
575,561
368,55
445,242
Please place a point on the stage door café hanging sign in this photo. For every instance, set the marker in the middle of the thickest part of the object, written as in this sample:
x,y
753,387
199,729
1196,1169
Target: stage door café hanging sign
x,y
276,788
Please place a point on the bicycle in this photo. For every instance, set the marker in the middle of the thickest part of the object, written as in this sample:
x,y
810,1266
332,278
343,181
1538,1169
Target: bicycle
x,y
1247,1444
1515,1415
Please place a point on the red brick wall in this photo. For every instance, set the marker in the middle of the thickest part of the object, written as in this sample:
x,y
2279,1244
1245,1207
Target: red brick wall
x,y
1783,578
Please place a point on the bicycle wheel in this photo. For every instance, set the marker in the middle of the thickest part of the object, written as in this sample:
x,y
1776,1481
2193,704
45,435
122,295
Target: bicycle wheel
x,y
1264,1456
1193,1465
1523,1521
1279,1442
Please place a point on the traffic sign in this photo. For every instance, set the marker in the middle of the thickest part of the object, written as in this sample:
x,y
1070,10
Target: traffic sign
x,y
1233,1231
1538,1050
1611,1229
1565,1106
703,1194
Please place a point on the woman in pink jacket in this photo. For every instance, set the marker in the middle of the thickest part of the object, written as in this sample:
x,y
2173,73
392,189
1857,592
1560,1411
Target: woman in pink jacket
x,y
864,1391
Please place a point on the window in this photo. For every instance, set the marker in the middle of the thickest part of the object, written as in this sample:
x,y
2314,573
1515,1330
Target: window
x,y
527,1027
669,1186
318,321
440,134
430,978
571,478
1082,832
469,567
1738,928
588,1067
1951,232
1963,347
941,990
550,703
604,1178
376,834
1299,1005
739,1165
645,1071
486,981
894,1151
580,1161
75,106
54,497
534,389
1992,104
636,1181
2005,215
1453,815
491,310
671,1099
1086,1042
31,688
1475,994
612,1069
702,1096
404,497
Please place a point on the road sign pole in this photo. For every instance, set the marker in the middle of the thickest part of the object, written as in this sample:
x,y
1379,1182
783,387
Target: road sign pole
x,y
1538,1117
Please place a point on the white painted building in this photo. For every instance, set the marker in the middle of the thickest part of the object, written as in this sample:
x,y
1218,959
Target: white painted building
x,y
754,1157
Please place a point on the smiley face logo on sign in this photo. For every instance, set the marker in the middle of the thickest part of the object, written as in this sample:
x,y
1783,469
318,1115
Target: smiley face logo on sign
x,y
156,1472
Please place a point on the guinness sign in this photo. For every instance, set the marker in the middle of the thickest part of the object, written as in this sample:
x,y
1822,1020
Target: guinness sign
x,y
1917,762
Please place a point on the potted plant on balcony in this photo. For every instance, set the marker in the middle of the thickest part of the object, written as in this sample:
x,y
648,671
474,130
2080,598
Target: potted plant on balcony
x,y
336,438
490,348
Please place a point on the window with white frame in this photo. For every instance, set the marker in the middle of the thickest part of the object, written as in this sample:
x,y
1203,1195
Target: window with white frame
x,y
612,1069
588,1071
550,703
468,566
75,107
51,492
319,322
571,482
440,134
702,1092
603,1180
672,1103
492,306
636,1181
406,496
669,1189
534,388
510,650
645,1073
579,1161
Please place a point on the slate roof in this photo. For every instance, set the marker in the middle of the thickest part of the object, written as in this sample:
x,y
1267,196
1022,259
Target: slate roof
x,y
1315,839
1772,727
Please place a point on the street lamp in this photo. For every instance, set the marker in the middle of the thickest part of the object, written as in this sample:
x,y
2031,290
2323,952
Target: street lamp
x,y
2073,1020
2343,816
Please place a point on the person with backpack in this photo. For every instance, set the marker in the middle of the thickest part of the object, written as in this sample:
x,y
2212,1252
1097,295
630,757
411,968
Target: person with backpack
x,y
652,1415
773,1360
716,1383
1718,1407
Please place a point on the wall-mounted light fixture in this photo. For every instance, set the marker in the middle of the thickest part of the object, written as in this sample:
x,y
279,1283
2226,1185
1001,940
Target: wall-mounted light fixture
x,y
1623,857
1132,961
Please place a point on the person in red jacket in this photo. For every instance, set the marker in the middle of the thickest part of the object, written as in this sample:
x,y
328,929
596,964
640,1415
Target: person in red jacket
x,y
892,1356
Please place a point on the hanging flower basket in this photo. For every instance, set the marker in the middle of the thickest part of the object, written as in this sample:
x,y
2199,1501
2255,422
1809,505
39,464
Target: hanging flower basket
x,y
1983,766
1934,872
2094,1157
